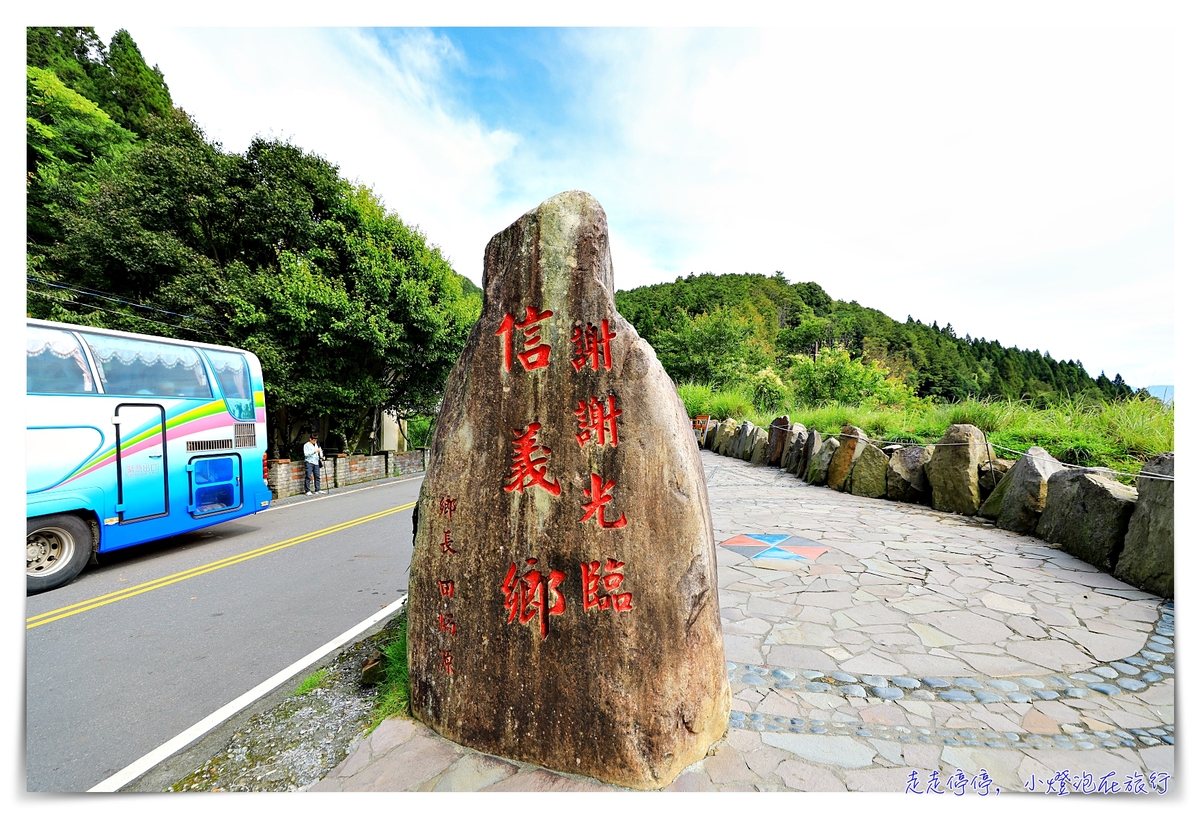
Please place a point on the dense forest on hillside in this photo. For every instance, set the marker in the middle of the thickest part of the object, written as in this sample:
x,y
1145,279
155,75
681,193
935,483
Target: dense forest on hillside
x,y
726,329
136,221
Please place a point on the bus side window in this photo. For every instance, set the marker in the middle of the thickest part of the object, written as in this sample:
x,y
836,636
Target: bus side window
x,y
130,366
54,362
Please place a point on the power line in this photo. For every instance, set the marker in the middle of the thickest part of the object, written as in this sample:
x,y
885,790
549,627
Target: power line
x,y
111,297
49,297
1150,475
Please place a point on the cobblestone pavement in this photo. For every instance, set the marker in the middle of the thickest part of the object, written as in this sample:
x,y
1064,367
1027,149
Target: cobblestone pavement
x,y
920,642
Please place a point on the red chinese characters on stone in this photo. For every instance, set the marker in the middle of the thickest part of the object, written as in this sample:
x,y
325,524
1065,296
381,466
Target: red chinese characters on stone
x,y
597,421
533,594
446,507
526,469
535,354
446,623
446,543
448,662
591,348
610,581
598,497
446,587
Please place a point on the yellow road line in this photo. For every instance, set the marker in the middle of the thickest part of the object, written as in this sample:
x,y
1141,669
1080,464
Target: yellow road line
x,y
162,582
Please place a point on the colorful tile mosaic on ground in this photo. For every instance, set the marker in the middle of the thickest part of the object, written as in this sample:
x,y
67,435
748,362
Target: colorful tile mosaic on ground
x,y
788,549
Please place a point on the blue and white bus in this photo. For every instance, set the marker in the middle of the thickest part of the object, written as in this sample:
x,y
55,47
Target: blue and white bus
x,y
131,438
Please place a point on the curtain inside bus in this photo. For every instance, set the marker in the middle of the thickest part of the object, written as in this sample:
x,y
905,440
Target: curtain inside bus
x,y
54,362
131,366
233,375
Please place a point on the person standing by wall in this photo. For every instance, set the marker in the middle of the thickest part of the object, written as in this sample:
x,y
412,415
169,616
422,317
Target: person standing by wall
x,y
312,464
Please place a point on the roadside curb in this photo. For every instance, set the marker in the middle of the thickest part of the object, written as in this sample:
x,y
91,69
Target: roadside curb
x,y
203,728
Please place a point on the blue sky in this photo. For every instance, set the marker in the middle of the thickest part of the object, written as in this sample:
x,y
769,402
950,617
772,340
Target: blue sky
x,y
1015,180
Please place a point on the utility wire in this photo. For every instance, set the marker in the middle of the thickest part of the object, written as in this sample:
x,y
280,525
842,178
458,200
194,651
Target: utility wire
x,y
125,314
111,297
1150,475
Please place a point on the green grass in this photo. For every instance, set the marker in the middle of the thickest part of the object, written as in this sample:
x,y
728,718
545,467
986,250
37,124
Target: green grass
x,y
1119,436
393,690
312,681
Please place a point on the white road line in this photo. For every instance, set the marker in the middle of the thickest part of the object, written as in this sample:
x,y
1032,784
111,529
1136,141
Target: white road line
x,y
119,779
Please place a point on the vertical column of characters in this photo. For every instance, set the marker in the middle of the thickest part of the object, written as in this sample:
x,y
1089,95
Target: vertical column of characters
x,y
596,418
532,595
446,624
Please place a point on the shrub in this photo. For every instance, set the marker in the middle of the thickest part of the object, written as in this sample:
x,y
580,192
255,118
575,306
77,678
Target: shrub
x,y
768,392
834,378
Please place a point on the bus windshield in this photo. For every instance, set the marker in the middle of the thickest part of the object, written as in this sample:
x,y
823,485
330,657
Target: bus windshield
x,y
234,377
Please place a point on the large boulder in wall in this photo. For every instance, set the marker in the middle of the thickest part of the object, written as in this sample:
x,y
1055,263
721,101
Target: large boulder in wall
x,y
1148,558
777,435
756,452
723,435
1018,502
906,480
991,473
710,431
953,470
852,440
741,440
793,446
818,466
812,445
563,594
868,478
1087,514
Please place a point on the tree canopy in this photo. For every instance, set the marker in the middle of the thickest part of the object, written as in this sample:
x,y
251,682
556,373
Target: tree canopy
x,y
136,221
691,323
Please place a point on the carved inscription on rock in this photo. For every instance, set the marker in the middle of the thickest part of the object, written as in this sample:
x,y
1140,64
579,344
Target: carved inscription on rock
x,y
563,602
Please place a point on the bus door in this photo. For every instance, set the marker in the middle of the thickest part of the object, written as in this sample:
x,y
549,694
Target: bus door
x,y
141,461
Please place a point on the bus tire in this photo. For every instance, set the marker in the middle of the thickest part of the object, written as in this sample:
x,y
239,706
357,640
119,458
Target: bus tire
x,y
56,549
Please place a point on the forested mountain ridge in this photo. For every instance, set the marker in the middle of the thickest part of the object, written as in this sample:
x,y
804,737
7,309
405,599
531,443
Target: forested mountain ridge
x,y
703,325
136,221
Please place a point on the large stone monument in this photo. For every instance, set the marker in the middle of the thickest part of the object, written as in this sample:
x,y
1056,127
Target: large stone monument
x,y
563,596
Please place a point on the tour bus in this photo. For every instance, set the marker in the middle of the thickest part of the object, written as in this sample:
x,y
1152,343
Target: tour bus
x,y
131,438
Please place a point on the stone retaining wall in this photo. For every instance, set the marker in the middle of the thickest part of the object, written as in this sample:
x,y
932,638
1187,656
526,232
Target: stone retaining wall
x,y
285,478
1125,531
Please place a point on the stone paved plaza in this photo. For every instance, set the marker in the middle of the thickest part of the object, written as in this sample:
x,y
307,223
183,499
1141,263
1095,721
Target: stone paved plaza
x,y
919,641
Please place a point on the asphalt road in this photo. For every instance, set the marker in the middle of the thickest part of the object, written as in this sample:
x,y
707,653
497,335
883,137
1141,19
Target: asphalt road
x,y
106,685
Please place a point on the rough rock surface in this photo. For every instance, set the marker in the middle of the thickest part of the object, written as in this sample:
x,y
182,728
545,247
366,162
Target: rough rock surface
x,y
723,435
777,436
812,444
756,452
742,440
906,481
991,472
1087,514
1023,491
868,478
852,440
953,471
563,606
818,466
706,436
793,447
1148,558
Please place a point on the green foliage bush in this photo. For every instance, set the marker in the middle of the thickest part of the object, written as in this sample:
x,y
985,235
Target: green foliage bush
x,y
833,377
768,391
420,428
393,699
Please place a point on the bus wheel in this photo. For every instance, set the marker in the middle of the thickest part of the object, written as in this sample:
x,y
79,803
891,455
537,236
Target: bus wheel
x,y
56,549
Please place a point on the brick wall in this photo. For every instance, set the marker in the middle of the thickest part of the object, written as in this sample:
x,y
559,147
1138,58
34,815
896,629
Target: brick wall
x,y
286,477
